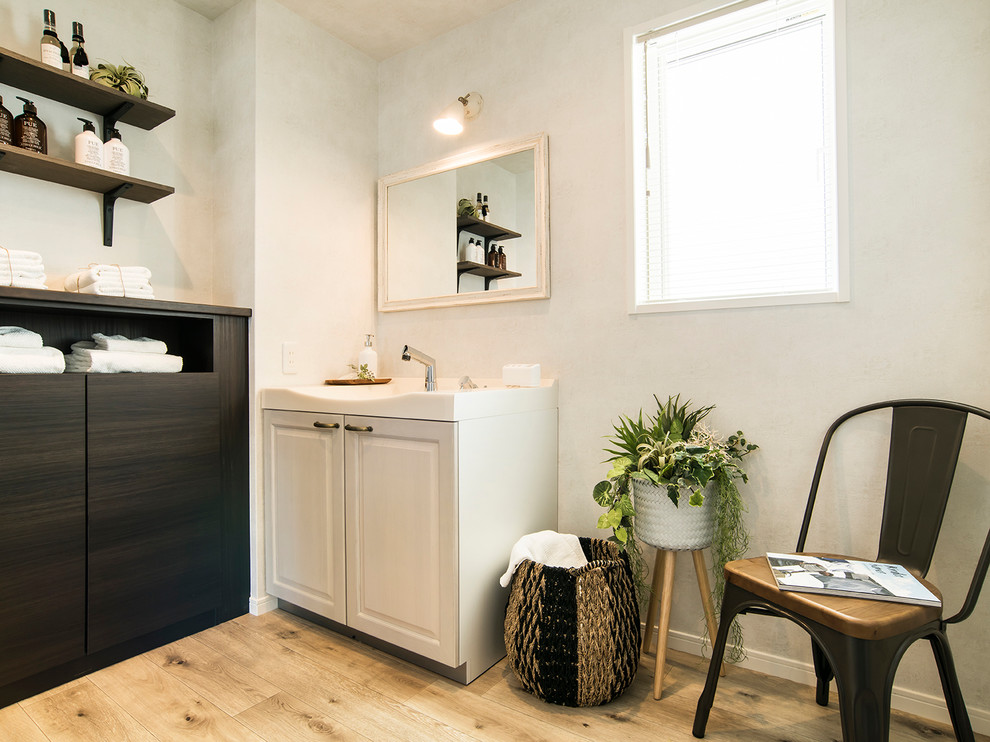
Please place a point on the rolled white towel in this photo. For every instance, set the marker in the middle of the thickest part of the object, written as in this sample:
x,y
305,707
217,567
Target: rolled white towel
x,y
85,358
135,345
18,337
31,361
545,547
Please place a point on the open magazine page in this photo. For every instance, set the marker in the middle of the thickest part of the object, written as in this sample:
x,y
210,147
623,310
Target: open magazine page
x,y
848,578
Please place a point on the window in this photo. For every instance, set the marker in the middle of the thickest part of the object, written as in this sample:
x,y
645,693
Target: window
x,y
736,158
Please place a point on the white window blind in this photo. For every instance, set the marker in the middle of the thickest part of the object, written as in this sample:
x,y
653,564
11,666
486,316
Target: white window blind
x,y
736,139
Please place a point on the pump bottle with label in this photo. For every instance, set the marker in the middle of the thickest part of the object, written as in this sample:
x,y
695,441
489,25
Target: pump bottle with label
x,y
30,132
368,357
116,156
89,147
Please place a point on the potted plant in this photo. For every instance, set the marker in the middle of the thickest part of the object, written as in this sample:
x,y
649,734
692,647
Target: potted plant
x,y
675,480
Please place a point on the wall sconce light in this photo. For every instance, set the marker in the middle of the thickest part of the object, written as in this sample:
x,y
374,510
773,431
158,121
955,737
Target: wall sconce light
x,y
466,108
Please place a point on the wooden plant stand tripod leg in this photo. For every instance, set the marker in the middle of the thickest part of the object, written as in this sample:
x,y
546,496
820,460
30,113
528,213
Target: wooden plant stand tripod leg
x,y
663,590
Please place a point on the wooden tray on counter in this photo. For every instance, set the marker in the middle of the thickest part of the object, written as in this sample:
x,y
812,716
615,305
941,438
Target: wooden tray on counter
x,y
355,382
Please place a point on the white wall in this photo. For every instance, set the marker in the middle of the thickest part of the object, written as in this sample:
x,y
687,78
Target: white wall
x,y
919,103
170,44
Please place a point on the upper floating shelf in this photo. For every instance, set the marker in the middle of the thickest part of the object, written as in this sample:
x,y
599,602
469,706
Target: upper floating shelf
x,y
41,79
485,229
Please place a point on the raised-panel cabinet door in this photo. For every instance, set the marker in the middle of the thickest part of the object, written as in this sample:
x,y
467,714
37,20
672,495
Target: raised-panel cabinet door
x,y
42,523
154,503
304,510
402,533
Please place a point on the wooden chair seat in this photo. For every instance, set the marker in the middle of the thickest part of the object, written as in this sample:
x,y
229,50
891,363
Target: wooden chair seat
x,y
857,617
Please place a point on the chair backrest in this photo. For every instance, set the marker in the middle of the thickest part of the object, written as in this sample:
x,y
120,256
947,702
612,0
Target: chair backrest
x,y
925,439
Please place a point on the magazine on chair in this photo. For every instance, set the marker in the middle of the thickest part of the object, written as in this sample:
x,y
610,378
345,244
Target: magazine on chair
x,y
849,579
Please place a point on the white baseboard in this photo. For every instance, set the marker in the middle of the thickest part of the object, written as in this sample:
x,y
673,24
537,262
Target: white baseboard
x,y
902,699
257,606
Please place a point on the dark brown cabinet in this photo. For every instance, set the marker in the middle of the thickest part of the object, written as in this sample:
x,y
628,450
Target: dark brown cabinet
x,y
124,497
154,503
42,524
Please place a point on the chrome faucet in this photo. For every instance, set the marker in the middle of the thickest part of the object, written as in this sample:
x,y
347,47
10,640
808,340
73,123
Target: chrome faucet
x,y
411,354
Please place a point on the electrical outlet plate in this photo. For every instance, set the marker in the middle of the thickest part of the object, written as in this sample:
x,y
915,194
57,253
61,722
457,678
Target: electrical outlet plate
x,y
289,358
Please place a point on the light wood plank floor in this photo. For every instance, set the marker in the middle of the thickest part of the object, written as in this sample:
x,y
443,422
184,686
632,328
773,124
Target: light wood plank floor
x,y
278,678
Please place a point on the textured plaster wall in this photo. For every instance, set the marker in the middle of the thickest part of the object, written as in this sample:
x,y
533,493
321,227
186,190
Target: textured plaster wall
x,y
919,182
171,45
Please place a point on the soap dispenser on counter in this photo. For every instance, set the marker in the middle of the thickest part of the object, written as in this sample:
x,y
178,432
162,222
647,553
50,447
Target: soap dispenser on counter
x,y
368,357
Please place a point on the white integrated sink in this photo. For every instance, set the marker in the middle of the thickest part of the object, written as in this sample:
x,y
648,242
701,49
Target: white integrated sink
x,y
406,397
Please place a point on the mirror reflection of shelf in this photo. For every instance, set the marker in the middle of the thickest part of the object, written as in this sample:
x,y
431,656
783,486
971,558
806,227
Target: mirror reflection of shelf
x,y
485,271
485,229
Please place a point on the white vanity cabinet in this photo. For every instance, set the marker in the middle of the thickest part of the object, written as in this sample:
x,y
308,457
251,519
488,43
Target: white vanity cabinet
x,y
398,529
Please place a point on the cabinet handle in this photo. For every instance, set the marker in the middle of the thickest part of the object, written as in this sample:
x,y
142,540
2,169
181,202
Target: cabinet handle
x,y
359,428
332,426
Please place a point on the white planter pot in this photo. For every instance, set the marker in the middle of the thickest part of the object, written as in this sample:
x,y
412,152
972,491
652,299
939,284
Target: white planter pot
x,y
663,525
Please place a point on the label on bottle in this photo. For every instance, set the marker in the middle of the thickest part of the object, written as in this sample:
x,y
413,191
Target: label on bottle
x,y
81,71
30,136
6,129
51,54
116,159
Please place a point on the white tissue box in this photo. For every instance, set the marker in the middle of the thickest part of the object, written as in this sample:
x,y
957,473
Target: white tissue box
x,y
521,374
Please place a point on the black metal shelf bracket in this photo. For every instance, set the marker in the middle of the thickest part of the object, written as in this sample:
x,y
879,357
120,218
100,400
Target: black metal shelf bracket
x,y
109,199
110,120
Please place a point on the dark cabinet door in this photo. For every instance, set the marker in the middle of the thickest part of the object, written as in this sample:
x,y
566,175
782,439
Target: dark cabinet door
x,y
154,503
42,523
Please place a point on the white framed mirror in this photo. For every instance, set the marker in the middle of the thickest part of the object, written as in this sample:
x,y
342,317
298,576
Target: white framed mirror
x,y
423,255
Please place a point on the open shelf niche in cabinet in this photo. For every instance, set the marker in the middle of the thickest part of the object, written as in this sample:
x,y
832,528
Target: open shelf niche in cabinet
x,y
113,106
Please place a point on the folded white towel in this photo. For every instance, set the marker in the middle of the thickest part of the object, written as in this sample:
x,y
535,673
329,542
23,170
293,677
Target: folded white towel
x,y
31,361
120,342
545,547
85,358
18,337
101,289
121,274
20,256
6,275
24,283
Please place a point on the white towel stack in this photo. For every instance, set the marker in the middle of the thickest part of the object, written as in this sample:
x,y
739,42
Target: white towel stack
x,y
22,268
23,352
113,354
112,280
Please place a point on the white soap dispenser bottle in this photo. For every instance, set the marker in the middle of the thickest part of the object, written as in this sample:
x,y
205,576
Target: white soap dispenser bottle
x,y
89,147
116,156
368,357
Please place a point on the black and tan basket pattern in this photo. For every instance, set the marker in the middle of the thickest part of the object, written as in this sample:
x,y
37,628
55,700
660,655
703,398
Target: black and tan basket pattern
x,y
572,635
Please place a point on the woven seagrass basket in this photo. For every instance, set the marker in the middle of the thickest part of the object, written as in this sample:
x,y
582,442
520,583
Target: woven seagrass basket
x,y
572,635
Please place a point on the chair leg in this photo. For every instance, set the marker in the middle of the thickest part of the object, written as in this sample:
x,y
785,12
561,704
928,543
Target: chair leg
x,y
666,594
654,602
701,570
950,687
823,671
731,603
864,673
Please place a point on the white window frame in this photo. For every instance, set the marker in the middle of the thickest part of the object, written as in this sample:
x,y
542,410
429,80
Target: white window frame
x,y
635,115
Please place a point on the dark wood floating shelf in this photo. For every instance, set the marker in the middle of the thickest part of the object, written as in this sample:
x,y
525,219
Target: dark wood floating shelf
x,y
485,229
41,79
486,271
112,105
44,167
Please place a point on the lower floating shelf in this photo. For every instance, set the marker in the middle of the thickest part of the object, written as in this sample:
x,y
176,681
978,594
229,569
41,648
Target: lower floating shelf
x,y
113,186
51,169
486,271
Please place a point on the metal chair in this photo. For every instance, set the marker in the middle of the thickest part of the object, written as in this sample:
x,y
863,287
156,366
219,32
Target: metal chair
x,y
860,642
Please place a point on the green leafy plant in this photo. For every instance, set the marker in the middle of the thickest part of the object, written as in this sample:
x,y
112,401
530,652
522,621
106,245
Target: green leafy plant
x,y
124,78
363,372
674,449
